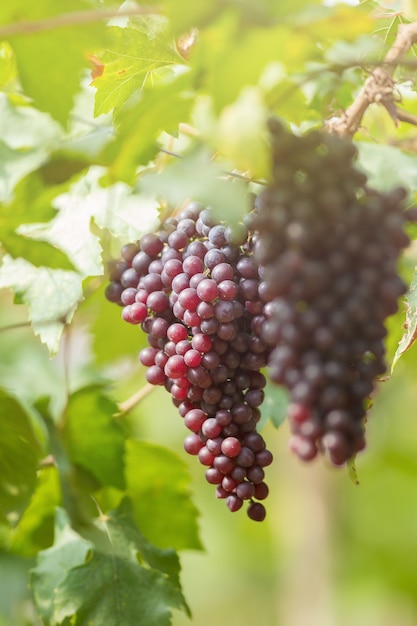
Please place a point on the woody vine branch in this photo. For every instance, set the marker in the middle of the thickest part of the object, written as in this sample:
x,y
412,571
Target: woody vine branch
x,y
379,88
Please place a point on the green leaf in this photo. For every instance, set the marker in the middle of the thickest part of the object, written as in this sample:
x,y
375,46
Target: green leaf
x,y
39,253
242,135
275,405
159,486
184,15
31,202
69,550
125,582
125,213
358,52
159,109
131,60
60,167
15,597
35,529
51,295
23,127
197,176
410,332
387,166
240,57
19,455
92,436
105,315
14,164
340,22
7,65
28,136
57,54
283,96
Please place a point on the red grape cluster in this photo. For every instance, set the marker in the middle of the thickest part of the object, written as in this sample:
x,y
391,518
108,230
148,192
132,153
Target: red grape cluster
x,y
327,246
193,287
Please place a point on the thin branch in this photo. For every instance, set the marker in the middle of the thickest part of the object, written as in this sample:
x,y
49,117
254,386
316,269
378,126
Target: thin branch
x,y
379,87
15,326
225,172
75,18
405,116
130,403
61,319
29,323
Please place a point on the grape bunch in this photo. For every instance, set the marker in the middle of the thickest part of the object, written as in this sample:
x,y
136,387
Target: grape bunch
x,y
327,246
193,288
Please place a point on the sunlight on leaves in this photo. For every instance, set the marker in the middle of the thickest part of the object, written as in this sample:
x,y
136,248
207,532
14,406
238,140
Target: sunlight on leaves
x,y
159,486
132,60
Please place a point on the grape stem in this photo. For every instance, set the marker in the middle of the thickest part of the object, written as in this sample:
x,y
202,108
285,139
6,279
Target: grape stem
x,y
225,172
379,88
135,399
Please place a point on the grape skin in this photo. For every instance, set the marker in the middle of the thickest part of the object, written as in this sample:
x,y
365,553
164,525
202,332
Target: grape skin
x,y
183,286
327,247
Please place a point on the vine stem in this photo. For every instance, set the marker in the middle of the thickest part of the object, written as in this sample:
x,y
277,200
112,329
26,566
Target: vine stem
x,y
379,88
130,403
74,18
29,323
247,179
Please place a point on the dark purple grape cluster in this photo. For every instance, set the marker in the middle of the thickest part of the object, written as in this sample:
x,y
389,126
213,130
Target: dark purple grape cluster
x,y
327,246
193,288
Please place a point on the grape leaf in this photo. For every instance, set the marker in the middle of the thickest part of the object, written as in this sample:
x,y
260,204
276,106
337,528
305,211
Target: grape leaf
x,y
93,437
104,316
125,582
160,109
35,529
353,53
197,176
7,65
51,296
31,202
60,167
387,166
241,57
39,253
14,164
275,405
57,54
410,334
15,596
27,136
345,21
131,60
242,133
19,455
126,214
158,484
22,127
69,550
